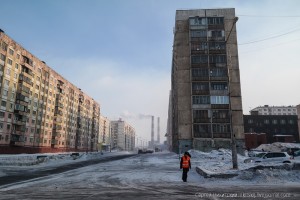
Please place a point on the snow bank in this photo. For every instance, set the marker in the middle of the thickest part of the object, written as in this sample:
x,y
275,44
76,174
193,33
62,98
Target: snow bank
x,y
278,147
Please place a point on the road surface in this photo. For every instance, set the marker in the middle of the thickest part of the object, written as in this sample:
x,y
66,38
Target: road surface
x,y
147,176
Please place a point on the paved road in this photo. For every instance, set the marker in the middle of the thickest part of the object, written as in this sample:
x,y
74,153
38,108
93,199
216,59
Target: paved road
x,y
137,177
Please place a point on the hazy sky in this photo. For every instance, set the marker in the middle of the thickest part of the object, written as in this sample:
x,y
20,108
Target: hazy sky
x,y
119,51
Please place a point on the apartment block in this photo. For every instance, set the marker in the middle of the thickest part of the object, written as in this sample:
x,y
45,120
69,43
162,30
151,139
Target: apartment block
x,y
105,133
274,110
278,128
206,103
123,135
40,110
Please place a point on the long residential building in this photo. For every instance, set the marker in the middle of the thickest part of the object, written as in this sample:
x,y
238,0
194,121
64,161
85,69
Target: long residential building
x,y
40,110
123,136
274,110
206,106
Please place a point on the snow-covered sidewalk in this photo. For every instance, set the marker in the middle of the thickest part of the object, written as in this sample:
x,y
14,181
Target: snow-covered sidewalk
x,y
166,165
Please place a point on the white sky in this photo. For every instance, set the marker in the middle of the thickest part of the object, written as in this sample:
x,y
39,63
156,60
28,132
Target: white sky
x,y
119,52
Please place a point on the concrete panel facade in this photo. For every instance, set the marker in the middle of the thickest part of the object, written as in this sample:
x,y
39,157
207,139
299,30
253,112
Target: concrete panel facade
x,y
205,53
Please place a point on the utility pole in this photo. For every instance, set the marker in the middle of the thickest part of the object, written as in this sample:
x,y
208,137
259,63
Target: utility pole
x,y
233,141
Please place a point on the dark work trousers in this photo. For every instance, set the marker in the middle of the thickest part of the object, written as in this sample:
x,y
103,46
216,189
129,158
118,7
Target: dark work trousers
x,y
184,174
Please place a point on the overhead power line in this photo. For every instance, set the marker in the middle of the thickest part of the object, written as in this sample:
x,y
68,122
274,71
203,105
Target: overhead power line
x,y
271,16
276,45
268,38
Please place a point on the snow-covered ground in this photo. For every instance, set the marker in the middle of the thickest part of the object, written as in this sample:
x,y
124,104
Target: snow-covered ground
x,y
216,161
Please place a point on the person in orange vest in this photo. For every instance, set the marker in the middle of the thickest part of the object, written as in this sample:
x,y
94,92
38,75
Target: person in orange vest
x,y
185,165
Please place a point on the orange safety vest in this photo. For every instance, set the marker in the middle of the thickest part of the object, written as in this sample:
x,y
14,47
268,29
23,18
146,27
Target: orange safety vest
x,y
185,161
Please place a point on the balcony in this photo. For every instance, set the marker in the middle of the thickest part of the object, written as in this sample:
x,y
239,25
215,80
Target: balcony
x,y
216,38
200,92
220,106
201,120
200,51
216,27
222,135
219,92
198,39
221,120
219,78
19,122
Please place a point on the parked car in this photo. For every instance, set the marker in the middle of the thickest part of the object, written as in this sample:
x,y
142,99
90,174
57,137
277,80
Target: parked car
x,y
255,156
297,155
278,157
254,152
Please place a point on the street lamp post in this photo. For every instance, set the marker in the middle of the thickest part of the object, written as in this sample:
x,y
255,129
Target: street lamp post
x,y
233,140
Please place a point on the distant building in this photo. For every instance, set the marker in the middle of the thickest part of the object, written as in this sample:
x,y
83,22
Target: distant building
x,y
40,110
104,134
205,110
276,127
274,110
123,136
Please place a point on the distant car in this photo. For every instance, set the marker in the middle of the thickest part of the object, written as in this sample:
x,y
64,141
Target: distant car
x,y
143,151
277,157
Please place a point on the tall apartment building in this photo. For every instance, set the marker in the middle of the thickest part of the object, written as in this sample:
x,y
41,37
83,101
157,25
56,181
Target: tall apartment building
x,y
40,110
123,135
274,110
105,133
205,91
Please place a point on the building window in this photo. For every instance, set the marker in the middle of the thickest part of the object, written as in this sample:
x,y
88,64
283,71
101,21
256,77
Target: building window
x,y
219,99
201,100
2,114
274,121
8,127
221,128
199,46
3,103
4,46
5,92
2,57
198,33
198,21
9,61
217,59
200,86
282,121
199,59
215,20
216,33
11,52
1,125
6,82
202,130
266,121
217,46
218,72
250,121
218,86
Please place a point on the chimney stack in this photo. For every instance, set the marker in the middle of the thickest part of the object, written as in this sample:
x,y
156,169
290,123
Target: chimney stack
x,y
152,131
158,131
